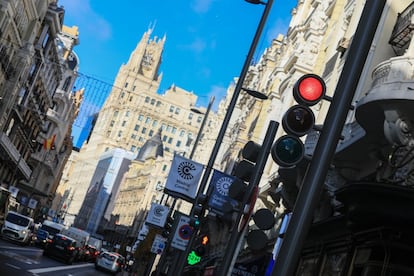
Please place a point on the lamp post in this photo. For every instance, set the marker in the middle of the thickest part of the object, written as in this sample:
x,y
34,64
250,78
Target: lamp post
x,y
226,121
197,140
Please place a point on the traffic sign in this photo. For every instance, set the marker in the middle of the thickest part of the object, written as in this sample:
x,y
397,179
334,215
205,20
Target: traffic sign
x,y
182,233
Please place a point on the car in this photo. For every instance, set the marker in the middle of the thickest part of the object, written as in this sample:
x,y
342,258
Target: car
x,y
110,261
61,247
91,253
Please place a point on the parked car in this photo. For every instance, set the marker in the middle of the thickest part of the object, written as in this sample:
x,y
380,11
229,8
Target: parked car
x,y
18,227
110,261
61,247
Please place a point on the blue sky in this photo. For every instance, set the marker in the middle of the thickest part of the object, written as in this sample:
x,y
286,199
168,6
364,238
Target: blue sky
x,y
207,40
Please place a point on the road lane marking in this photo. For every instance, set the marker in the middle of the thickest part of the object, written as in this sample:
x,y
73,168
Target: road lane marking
x,y
57,268
13,266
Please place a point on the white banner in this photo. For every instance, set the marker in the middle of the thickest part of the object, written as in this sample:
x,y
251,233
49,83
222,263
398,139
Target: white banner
x,y
184,177
157,214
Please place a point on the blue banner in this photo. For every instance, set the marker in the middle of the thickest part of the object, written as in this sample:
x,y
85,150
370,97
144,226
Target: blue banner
x,y
220,183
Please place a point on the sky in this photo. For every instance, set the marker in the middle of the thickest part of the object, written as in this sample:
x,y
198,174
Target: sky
x,y
207,41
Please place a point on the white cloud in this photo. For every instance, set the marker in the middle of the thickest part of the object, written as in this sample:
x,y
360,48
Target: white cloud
x,y
88,21
197,46
201,6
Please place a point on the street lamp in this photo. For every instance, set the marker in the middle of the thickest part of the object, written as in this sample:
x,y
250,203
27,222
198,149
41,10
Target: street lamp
x,y
226,121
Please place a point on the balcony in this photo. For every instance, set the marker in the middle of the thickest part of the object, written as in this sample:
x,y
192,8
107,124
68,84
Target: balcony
x,y
402,32
390,101
14,154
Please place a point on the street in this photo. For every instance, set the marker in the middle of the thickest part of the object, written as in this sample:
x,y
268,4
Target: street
x,y
17,260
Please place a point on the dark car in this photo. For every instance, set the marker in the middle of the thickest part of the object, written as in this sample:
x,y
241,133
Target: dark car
x,y
91,253
61,247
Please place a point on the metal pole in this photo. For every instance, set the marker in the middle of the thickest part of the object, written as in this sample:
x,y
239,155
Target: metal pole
x,y
226,121
230,255
162,260
313,181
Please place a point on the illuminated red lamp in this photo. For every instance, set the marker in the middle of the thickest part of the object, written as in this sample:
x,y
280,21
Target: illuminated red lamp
x,y
309,89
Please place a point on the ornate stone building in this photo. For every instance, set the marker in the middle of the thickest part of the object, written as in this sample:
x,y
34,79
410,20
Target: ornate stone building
x,y
38,69
133,113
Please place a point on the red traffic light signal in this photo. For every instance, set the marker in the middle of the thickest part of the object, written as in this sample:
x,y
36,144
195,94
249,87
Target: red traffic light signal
x,y
309,89
298,120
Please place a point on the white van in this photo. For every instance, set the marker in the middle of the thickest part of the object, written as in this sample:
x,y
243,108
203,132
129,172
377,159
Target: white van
x,y
17,227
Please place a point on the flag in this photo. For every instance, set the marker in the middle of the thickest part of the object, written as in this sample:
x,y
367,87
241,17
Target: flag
x,y
183,177
49,143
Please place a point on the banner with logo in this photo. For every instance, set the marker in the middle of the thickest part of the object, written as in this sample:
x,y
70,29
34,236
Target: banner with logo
x,y
183,178
220,183
157,215
13,191
32,203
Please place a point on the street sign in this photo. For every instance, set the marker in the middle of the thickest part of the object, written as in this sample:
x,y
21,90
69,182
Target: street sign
x,y
182,233
158,244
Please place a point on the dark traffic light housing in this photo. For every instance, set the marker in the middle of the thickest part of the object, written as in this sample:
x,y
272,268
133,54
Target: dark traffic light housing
x,y
298,120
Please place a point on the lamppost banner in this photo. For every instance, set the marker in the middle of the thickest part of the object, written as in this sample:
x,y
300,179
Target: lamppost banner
x,y
157,214
183,177
220,183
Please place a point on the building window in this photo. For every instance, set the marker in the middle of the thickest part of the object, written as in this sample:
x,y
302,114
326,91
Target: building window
x,y
133,148
171,108
112,123
133,136
147,99
168,128
199,118
178,144
174,130
116,113
164,138
126,85
190,116
140,117
158,104
151,132
144,130
182,133
177,110
127,113
120,133
133,88
164,168
154,123
170,140
123,123
136,128
152,101
147,120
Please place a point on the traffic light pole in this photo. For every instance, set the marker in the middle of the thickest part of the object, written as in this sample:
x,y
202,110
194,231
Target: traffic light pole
x,y
313,181
224,125
230,255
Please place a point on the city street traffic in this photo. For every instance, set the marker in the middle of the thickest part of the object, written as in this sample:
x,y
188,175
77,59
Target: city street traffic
x,y
20,260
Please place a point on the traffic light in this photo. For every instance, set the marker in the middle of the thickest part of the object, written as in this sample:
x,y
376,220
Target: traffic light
x,y
198,211
298,120
201,246
166,231
264,220
244,171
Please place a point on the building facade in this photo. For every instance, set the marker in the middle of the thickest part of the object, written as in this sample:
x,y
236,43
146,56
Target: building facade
x,y
38,69
134,112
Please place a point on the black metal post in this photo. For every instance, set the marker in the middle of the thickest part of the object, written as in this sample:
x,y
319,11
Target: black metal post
x,y
235,236
224,125
313,181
